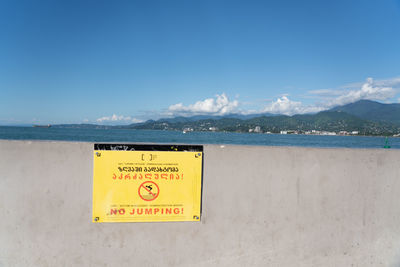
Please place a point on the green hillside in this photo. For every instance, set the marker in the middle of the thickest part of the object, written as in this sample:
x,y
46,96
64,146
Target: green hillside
x,y
371,110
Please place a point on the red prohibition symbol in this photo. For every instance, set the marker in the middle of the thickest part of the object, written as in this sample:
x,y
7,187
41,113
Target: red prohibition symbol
x,y
148,191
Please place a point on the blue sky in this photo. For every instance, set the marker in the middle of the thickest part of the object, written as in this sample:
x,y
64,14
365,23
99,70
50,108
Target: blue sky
x,y
116,62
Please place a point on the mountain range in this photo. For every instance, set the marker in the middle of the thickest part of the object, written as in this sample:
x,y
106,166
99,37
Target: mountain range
x,y
365,116
371,110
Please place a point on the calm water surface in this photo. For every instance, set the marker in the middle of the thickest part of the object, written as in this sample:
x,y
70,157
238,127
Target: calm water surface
x,y
144,136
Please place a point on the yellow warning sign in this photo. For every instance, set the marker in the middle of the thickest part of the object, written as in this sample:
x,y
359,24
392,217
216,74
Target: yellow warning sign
x,y
146,186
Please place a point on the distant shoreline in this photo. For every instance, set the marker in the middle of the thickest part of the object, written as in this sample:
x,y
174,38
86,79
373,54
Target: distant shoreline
x,y
117,127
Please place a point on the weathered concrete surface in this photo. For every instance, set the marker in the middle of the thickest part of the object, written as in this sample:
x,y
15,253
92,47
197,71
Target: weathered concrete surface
x,y
262,206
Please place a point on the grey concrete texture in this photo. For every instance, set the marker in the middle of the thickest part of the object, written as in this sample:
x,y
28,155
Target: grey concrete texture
x,y
262,206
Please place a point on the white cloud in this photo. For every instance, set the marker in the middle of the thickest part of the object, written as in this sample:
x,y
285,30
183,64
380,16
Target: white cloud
x,y
326,92
117,119
370,89
394,82
134,120
220,105
381,90
286,106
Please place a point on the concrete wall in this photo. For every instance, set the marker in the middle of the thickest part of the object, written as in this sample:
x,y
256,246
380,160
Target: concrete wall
x,y
262,206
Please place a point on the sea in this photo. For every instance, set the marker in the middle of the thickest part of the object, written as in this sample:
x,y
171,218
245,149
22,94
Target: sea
x,y
176,137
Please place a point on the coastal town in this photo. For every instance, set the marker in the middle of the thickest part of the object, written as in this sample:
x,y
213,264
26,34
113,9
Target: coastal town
x,y
257,129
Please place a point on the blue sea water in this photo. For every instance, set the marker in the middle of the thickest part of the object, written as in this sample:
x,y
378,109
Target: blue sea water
x,y
149,136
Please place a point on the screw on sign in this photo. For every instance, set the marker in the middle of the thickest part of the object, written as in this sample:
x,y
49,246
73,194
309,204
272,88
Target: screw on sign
x,y
148,191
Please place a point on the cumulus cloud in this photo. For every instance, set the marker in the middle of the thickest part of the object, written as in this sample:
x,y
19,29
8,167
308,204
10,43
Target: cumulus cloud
x,y
220,105
381,90
371,90
117,119
284,105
